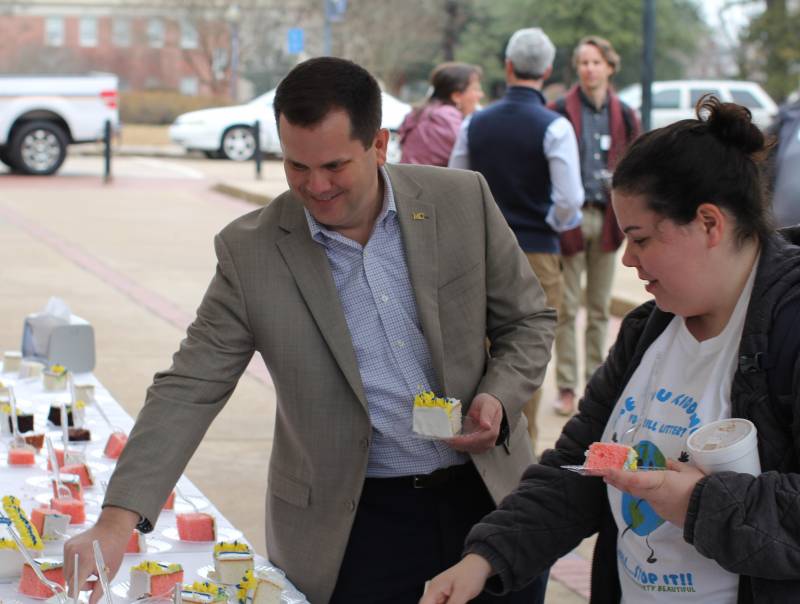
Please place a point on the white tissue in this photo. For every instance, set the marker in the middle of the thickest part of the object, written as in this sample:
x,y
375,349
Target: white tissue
x,y
55,313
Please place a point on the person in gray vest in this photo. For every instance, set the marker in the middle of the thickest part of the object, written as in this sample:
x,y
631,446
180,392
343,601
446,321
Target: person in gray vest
x,y
529,156
786,184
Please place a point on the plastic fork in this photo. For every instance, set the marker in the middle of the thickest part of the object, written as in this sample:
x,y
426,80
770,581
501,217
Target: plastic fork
x,y
12,400
186,499
57,589
101,571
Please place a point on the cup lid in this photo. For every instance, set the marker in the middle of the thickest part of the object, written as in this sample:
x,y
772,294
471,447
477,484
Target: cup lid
x,y
720,434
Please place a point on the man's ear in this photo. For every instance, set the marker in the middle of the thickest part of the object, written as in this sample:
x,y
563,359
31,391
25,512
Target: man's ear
x,y
381,145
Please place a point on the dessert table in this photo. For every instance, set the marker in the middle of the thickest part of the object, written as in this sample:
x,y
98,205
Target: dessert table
x,y
32,486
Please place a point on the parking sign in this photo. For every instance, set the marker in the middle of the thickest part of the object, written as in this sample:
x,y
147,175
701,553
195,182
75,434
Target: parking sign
x,y
294,40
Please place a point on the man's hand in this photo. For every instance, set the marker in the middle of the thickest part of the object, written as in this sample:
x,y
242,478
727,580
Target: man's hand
x,y
667,492
485,414
113,530
460,583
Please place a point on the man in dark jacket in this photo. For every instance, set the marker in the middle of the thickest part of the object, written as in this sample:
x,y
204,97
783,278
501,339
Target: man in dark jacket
x,y
604,127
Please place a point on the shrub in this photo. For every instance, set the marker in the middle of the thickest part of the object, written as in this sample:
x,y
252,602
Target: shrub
x,y
162,106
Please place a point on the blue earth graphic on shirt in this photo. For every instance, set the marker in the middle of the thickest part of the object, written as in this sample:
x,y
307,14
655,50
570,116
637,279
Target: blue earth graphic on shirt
x,y
637,513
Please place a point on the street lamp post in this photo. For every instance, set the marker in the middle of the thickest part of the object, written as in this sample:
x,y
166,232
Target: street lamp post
x,y
233,16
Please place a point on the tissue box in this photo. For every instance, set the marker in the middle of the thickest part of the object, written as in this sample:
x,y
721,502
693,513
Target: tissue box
x,y
64,342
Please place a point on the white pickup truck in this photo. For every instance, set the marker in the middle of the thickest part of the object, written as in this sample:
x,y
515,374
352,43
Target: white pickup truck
x,y
41,115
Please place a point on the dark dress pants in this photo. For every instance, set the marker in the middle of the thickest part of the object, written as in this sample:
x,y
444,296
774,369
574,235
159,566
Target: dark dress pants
x,y
403,536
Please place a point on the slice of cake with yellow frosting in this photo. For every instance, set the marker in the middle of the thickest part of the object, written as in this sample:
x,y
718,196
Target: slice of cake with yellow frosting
x,y
154,578
203,592
231,561
11,560
260,587
436,417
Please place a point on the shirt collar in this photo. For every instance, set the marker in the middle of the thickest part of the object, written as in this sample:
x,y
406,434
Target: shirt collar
x,y
588,103
320,232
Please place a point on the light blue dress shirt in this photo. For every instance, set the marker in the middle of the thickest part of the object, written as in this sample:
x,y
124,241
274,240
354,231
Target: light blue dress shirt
x,y
392,354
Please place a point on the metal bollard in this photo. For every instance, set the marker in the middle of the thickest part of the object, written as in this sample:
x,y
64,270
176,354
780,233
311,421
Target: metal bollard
x,y
107,152
257,153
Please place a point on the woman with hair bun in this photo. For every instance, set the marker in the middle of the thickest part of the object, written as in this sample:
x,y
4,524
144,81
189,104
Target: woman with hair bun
x,y
428,133
718,341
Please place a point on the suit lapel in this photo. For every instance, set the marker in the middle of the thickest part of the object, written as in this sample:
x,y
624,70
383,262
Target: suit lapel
x,y
417,220
309,266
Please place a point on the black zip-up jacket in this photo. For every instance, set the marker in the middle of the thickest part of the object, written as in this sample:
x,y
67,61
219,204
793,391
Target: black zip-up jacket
x,y
749,525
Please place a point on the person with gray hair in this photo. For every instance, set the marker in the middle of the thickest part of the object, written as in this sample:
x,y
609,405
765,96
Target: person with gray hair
x,y
529,156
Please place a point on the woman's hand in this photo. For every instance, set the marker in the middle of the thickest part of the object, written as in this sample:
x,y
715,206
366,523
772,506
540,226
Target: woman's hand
x,y
458,584
667,492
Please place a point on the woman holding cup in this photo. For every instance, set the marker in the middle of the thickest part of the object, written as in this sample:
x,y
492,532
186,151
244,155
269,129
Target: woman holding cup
x,y
688,198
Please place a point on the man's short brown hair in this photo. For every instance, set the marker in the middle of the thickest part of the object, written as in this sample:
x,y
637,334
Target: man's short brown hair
x,y
604,46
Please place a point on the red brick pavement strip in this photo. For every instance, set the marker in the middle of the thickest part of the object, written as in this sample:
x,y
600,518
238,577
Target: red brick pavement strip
x,y
147,298
574,572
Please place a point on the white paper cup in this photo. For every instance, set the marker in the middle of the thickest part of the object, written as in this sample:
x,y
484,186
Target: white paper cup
x,y
727,445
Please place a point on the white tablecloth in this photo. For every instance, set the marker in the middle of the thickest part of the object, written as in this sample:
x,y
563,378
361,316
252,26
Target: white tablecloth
x,y
31,484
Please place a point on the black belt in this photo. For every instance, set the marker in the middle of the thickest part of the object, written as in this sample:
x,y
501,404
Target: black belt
x,y
436,479
600,205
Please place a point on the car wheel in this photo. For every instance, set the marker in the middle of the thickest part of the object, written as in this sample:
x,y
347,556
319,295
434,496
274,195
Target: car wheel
x,y
38,147
239,143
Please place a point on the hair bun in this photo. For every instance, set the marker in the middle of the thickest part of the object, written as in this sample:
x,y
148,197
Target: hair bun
x,y
730,123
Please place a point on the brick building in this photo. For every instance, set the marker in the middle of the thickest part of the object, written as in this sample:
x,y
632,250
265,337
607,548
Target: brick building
x,y
150,45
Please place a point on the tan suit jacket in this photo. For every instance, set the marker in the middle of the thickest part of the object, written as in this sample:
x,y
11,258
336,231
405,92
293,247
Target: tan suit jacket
x,y
273,293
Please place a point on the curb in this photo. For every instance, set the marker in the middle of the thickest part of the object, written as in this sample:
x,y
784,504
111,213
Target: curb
x,y
259,199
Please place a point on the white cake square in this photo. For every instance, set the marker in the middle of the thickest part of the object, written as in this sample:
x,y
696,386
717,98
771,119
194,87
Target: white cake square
x,y
436,417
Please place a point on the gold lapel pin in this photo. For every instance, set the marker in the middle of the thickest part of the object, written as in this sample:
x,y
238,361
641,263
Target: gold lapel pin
x,y
419,216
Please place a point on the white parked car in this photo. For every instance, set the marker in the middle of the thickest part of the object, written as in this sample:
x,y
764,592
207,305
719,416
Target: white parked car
x,y
675,100
229,131
40,115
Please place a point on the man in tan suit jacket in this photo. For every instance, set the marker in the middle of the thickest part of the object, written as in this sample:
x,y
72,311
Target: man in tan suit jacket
x,y
275,292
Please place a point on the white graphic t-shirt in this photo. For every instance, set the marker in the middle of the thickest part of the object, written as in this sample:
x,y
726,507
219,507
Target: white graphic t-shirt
x,y
680,385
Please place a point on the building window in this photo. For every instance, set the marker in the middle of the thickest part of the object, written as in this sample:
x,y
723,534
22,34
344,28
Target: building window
x,y
190,86
54,31
155,33
189,37
121,32
87,32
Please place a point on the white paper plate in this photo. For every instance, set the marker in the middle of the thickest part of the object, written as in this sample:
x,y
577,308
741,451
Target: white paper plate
x,y
584,471
223,534
154,546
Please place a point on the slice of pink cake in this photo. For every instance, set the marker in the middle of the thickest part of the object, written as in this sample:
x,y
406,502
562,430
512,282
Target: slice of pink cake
x,y
196,526
137,544
170,503
30,585
74,508
21,456
51,524
81,470
114,445
601,456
